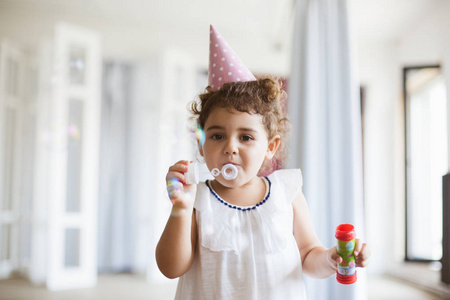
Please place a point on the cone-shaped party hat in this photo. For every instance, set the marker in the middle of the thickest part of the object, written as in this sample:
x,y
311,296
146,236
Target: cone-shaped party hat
x,y
224,64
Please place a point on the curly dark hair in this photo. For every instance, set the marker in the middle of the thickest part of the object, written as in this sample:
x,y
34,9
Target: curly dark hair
x,y
263,96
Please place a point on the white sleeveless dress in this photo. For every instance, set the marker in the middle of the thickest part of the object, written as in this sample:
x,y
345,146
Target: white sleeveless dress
x,y
246,252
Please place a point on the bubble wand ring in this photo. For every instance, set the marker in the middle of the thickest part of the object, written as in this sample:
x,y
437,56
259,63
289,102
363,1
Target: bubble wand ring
x,y
229,172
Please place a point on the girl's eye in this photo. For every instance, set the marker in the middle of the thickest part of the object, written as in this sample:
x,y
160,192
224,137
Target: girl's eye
x,y
246,138
217,136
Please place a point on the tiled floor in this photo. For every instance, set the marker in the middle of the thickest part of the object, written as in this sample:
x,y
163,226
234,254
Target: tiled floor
x,y
133,287
109,287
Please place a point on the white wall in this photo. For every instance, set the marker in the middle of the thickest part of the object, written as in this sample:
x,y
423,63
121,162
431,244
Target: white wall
x,y
429,43
379,76
380,69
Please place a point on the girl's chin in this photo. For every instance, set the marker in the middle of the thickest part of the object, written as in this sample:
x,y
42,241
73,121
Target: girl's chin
x,y
237,182
228,183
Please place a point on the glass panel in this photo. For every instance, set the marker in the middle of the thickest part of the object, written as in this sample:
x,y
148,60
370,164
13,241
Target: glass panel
x,y
12,80
32,85
9,77
26,243
77,65
72,248
5,242
427,163
74,153
10,118
28,164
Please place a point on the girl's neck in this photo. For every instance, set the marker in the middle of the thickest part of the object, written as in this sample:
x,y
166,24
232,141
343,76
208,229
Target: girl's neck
x,y
248,194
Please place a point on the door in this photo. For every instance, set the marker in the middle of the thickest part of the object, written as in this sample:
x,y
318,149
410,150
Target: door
x,y
11,101
73,159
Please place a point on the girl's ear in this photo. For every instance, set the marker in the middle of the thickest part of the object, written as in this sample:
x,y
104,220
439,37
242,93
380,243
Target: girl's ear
x,y
274,143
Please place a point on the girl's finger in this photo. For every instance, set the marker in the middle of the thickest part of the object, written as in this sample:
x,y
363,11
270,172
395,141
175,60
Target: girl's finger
x,y
358,247
365,252
181,166
335,257
362,259
338,259
174,177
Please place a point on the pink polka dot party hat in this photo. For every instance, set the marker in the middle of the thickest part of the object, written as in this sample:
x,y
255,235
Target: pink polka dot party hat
x,y
224,64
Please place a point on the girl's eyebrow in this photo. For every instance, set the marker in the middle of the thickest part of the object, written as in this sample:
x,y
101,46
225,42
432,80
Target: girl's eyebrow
x,y
251,130
214,127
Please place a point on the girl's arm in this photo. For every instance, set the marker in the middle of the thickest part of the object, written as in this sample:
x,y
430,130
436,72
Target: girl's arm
x,y
318,261
176,247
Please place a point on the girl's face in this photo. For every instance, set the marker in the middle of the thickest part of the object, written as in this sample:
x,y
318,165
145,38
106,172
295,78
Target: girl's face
x,y
239,138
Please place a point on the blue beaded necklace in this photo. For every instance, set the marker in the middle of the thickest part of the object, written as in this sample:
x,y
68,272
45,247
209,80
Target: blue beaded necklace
x,y
240,207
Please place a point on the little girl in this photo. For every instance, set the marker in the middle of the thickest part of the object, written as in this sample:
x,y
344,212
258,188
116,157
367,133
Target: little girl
x,y
250,237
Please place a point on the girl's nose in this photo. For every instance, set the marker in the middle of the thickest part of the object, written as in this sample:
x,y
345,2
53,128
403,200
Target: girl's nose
x,y
230,148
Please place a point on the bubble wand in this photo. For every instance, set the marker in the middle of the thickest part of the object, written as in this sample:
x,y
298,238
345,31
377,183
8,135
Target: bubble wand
x,y
229,172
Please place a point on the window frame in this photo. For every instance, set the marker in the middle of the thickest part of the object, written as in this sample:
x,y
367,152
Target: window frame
x,y
405,111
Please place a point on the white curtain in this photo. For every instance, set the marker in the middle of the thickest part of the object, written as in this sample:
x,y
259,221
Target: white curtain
x,y
127,166
324,108
144,131
115,236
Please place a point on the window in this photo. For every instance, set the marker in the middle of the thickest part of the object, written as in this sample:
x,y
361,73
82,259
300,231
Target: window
x,y
426,160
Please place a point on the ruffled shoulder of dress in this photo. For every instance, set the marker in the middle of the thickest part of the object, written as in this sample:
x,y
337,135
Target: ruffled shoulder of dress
x,y
290,180
202,202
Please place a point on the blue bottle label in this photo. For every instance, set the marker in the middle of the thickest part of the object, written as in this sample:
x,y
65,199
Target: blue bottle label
x,y
346,271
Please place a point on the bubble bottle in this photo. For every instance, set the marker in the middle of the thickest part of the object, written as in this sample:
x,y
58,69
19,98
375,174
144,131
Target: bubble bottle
x,y
346,272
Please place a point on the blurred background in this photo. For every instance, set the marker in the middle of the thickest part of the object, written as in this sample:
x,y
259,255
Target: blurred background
x,y
93,98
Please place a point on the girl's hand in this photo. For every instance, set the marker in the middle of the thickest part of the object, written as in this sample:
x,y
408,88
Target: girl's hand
x,y
361,253
181,195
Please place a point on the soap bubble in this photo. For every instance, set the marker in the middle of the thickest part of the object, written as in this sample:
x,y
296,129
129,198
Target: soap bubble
x,y
174,186
200,135
73,131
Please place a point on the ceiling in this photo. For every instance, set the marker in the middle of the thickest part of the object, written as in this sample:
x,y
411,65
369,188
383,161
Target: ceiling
x,y
372,20
388,19
232,15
